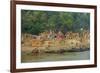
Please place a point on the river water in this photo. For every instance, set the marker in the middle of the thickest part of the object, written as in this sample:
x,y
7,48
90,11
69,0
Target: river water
x,y
67,56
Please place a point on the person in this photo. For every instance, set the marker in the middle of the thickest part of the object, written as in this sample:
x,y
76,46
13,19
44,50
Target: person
x,y
60,36
51,35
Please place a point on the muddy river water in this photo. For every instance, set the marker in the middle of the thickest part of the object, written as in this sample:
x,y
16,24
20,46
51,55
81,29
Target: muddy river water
x,y
46,57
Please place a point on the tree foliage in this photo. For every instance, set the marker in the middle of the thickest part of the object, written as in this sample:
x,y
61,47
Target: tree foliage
x,y
35,22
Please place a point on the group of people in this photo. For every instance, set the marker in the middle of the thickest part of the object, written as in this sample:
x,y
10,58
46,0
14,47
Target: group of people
x,y
51,35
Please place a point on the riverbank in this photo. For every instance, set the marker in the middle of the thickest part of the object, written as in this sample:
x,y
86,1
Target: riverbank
x,y
71,42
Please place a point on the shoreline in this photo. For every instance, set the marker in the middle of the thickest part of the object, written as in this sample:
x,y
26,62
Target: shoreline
x,y
71,42
60,51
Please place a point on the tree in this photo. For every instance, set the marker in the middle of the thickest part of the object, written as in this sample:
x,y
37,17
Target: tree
x,y
35,22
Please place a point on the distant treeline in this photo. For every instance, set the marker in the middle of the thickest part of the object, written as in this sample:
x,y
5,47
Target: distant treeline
x,y
35,22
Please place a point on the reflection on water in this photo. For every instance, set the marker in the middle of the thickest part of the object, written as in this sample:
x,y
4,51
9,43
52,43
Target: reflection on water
x,y
55,57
